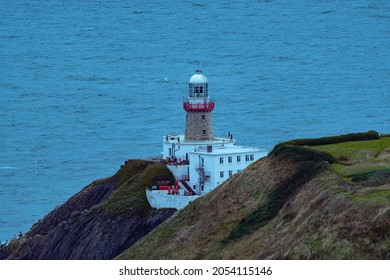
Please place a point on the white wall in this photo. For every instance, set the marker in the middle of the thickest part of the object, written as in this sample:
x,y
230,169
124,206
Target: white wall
x,y
159,199
179,171
214,167
182,148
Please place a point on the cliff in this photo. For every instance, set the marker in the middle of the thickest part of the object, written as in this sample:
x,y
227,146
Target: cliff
x,y
99,222
306,200
326,198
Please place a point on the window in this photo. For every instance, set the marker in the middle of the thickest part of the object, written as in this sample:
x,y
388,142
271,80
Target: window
x,y
252,157
247,158
203,117
221,160
204,132
230,159
239,170
238,158
221,174
230,173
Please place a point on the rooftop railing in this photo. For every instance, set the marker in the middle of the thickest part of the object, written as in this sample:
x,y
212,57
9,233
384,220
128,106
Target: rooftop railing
x,y
200,107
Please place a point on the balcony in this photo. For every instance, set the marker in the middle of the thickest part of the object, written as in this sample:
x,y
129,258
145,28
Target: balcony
x,y
198,107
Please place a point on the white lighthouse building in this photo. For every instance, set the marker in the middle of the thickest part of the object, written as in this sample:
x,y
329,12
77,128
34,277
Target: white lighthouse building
x,y
198,160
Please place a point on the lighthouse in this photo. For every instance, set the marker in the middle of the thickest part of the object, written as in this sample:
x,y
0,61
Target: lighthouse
x,y
198,107
198,160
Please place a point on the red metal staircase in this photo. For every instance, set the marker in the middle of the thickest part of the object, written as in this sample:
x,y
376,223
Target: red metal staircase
x,y
184,184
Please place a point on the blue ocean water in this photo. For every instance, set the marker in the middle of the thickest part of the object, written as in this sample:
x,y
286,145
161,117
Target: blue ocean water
x,y
85,85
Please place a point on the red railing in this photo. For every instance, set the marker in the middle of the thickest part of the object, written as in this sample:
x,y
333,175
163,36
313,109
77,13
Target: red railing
x,y
201,107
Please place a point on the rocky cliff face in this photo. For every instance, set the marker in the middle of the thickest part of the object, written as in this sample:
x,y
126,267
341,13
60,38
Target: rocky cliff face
x,y
99,222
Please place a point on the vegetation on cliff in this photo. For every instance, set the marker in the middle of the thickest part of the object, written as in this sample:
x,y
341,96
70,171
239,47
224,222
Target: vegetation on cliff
x,y
99,222
306,200
325,198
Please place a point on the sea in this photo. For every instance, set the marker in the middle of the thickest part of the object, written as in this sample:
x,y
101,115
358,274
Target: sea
x,y
88,84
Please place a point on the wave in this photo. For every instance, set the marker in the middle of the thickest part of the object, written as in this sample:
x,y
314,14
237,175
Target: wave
x,y
7,167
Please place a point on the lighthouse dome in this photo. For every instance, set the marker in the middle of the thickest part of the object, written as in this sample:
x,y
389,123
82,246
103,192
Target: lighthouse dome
x,y
198,86
198,78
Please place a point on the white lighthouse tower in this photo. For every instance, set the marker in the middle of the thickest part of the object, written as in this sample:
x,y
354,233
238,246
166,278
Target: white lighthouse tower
x,y
198,107
198,160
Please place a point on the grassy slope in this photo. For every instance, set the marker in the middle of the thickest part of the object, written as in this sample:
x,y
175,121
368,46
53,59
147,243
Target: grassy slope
x,y
358,158
321,215
133,179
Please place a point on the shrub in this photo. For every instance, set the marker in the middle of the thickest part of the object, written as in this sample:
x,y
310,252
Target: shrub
x,y
370,135
302,153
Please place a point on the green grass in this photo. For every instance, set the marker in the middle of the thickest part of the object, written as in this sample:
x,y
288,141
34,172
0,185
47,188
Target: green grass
x,y
362,136
134,178
359,158
377,197
357,150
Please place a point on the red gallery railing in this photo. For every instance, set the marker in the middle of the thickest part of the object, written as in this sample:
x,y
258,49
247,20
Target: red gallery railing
x,y
200,107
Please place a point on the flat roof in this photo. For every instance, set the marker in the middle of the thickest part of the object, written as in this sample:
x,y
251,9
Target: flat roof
x,y
228,150
173,138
